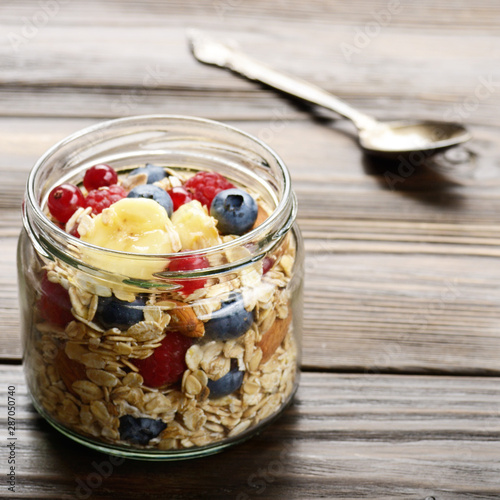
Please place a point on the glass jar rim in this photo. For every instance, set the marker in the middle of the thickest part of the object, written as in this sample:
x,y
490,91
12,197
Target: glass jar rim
x,y
276,225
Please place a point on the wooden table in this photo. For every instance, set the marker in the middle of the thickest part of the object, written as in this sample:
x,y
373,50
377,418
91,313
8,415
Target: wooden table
x,y
400,393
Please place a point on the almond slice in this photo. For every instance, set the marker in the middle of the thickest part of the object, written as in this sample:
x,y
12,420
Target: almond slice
x,y
262,215
272,339
184,320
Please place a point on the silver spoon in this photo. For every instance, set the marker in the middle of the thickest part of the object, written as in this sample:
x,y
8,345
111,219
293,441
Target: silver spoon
x,y
375,137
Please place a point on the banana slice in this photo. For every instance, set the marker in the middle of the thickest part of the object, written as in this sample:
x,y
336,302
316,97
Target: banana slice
x,y
133,225
195,227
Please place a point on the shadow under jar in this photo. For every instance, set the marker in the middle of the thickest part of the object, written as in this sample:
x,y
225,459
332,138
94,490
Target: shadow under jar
x,y
204,357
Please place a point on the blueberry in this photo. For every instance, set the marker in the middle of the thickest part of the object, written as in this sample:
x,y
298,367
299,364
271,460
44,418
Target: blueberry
x,y
154,173
231,321
140,430
235,210
115,313
227,384
152,192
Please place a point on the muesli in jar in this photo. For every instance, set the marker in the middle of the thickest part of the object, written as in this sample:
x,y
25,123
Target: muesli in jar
x,y
176,356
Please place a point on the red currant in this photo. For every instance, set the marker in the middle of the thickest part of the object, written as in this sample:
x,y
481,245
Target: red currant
x,y
99,176
64,200
180,196
189,285
267,263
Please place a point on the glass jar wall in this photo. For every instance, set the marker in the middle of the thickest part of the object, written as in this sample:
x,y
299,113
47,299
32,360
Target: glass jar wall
x,y
135,355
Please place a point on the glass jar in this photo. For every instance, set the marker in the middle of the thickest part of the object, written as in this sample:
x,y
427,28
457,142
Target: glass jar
x,y
236,321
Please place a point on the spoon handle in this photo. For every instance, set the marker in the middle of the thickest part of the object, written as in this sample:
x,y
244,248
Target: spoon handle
x,y
210,51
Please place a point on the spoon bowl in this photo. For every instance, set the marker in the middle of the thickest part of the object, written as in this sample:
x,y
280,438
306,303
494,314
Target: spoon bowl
x,y
405,137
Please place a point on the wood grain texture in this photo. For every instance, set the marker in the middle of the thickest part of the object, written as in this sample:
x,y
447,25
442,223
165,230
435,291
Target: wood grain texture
x,y
84,62
346,436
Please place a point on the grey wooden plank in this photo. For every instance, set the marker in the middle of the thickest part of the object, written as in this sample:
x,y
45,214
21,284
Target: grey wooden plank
x,y
346,436
74,64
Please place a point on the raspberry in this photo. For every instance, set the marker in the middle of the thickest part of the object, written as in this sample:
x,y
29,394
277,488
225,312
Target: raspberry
x,y
102,198
189,264
167,364
54,304
205,185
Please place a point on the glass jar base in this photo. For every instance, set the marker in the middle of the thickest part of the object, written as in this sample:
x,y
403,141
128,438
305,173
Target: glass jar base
x,y
163,455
